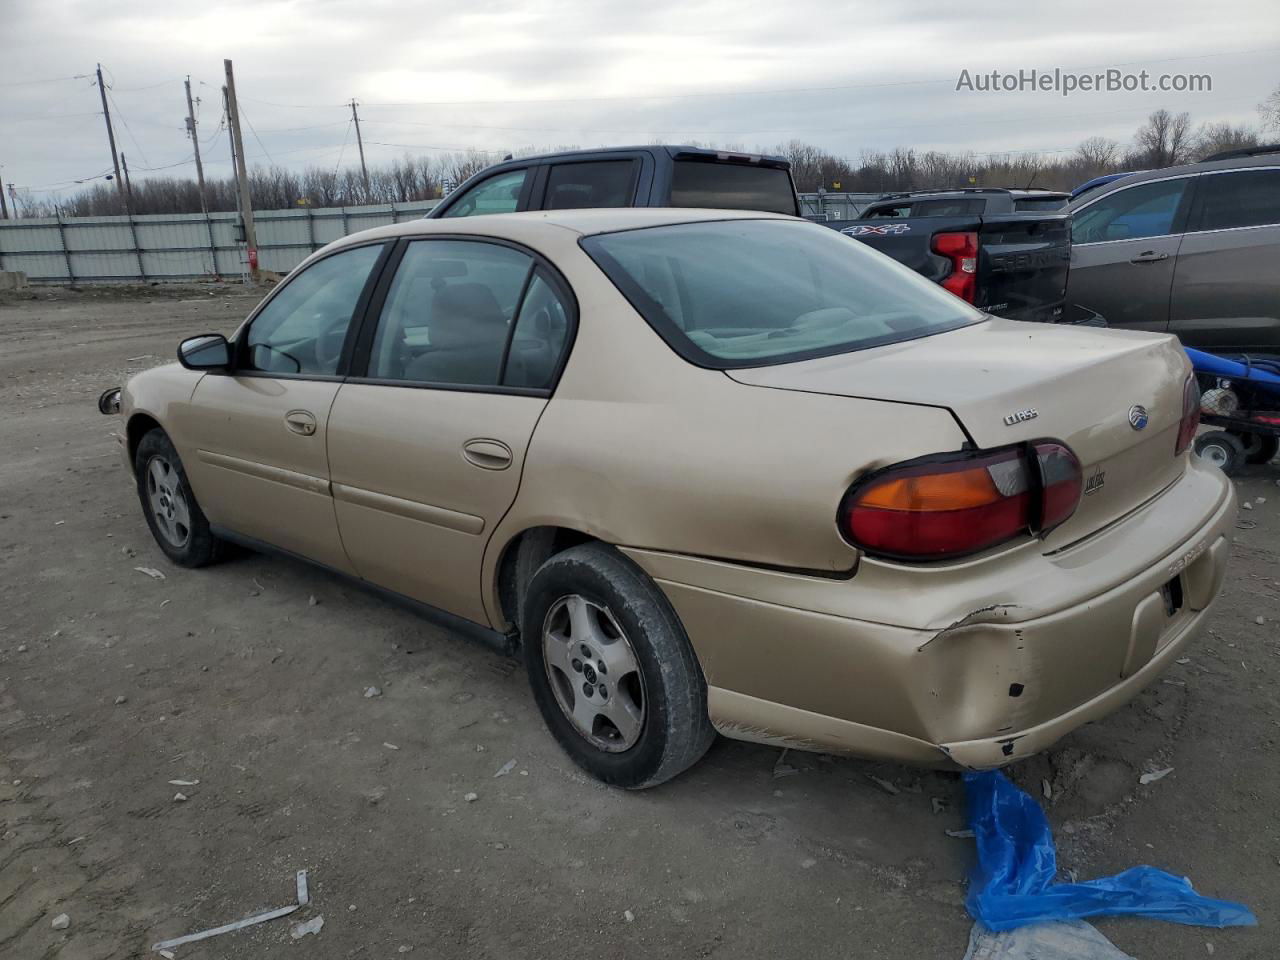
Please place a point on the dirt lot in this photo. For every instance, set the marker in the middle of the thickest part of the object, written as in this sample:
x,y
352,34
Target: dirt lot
x,y
114,684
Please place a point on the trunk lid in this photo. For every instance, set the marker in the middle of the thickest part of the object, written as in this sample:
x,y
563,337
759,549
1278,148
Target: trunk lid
x,y
1081,383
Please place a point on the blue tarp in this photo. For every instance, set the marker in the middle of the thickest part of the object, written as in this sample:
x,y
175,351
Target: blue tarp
x,y
1012,884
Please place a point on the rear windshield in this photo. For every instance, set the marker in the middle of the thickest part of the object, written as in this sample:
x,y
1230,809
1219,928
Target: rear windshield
x,y
746,293
732,186
1040,203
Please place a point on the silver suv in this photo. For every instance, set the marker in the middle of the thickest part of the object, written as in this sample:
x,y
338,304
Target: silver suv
x,y
1191,250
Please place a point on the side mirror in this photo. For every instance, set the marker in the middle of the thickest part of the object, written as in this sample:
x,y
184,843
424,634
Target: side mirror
x,y
209,351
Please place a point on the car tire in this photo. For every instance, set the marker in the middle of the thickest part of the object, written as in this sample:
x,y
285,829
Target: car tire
x,y
175,518
1258,447
612,670
1222,449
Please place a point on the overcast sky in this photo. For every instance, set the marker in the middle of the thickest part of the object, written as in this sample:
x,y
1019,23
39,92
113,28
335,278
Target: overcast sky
x,y
498,74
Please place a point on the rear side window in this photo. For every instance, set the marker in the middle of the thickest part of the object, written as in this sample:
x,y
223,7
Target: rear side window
x,y
448,313
1248,198
578,186
731,186
472,314
741,293
498,194
888,213
956,207
1145,210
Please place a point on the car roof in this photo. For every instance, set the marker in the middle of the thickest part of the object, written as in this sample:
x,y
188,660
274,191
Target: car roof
x,y
582,222
950,193
1186,170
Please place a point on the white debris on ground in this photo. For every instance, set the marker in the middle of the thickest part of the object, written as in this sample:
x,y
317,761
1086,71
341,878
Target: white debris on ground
x,y
300,930
61,922
1155,775
370,692
1057,940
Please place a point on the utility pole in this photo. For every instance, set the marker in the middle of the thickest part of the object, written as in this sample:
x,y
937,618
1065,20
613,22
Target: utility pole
x,y
242,174
364,171
111,139
128,187
195,144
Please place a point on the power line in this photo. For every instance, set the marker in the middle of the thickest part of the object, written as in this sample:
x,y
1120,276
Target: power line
x,y
127,128
52,116
346,136
152,86
27,83
256,137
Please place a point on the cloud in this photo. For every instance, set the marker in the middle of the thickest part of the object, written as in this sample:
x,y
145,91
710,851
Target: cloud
x,y
846,77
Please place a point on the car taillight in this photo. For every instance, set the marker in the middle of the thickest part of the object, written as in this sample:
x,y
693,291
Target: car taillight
x,y
1190,415
941,508
962,250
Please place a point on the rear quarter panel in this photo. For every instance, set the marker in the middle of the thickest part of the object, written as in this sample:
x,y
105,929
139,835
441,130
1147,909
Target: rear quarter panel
x,y
640,448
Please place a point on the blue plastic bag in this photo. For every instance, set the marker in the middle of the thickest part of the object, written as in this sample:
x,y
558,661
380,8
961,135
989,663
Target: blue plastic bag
x,y
1012,884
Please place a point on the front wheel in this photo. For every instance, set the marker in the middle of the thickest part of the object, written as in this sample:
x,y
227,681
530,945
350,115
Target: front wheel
x,y
612,670
175,518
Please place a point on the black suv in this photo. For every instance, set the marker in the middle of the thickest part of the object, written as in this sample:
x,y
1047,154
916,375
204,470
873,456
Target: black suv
x,y
653,176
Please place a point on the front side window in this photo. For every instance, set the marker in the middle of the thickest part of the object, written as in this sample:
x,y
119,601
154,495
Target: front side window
x,y
580,186
736,293
1247,198
303,328
1147,210
498,194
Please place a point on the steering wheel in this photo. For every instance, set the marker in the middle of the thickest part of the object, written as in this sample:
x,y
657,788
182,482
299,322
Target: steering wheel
x,y
330,343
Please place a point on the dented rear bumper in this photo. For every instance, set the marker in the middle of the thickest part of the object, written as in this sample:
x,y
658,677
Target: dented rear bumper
x,y
885,664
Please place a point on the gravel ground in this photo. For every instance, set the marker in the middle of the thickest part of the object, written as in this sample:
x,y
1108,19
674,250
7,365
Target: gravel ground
x,y
114,684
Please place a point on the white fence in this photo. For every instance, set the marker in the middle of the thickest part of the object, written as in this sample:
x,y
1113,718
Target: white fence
x,y
179,246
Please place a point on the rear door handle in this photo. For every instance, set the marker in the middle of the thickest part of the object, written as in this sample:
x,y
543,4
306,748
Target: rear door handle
x,y
301,422
487,454
1149,256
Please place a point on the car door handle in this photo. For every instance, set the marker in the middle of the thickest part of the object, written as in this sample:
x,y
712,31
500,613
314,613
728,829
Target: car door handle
x,y
1149,256
301,421
487,454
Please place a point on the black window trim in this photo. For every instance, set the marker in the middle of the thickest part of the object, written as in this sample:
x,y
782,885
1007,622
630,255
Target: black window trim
x,y
634,159
661,323
239,339
1197,213
540,265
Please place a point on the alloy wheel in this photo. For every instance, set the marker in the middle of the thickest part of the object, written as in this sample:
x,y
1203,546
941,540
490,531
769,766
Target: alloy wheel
x,y
594,672
168,502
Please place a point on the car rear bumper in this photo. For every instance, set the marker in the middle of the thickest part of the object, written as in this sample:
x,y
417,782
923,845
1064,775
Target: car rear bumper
x,y
790,661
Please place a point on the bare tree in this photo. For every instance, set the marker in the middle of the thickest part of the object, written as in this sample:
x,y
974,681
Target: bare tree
x,y
1214,138
1165,138
1269,110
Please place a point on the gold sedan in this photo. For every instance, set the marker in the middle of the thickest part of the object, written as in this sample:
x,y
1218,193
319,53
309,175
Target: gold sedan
x,y
708,471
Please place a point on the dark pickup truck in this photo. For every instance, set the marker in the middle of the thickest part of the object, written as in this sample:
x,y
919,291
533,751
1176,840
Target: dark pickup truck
x,y
649,176
1005,251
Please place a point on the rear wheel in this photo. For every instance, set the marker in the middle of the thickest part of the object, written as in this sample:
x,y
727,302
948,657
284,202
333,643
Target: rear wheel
x,y
1258,447
1222,449
175,518
612,670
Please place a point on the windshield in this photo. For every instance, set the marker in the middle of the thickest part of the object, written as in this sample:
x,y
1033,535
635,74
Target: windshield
x,y
742,293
